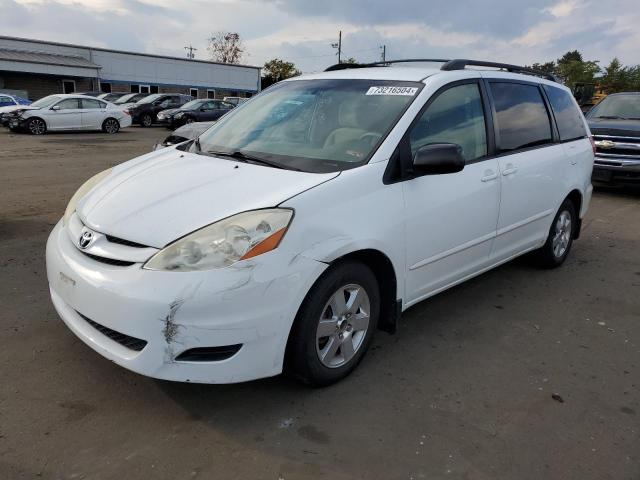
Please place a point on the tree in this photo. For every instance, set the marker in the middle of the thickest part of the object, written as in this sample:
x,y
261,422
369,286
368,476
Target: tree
x,y
225,47
547,67
616,78
572,69
276,70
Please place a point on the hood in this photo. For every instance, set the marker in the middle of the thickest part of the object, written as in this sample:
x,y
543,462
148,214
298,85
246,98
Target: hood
x,y
11,108
614,127
168,112
192,130
17,108
167,194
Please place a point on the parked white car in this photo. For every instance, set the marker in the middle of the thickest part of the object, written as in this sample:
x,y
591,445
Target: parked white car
x,y
301,222
69,112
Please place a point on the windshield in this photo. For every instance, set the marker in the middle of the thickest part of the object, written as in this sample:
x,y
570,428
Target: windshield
x,y
193,104
150,98
617,106
312,125
46,101
126,98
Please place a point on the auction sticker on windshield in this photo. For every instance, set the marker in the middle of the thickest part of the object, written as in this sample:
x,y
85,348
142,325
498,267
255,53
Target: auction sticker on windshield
x,y
391,90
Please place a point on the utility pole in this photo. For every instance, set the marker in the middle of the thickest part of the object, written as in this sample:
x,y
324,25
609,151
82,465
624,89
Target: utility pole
x,y
384,52
190,54
338,46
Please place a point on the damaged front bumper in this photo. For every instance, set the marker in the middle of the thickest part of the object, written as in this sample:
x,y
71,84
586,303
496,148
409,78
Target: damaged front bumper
x,y
147,320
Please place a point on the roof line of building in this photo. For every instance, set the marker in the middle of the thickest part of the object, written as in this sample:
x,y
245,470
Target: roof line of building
x,y
33,40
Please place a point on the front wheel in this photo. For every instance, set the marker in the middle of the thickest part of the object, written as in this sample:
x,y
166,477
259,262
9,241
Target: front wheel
x,y
189,120
111,126
335,324
556,249
36,126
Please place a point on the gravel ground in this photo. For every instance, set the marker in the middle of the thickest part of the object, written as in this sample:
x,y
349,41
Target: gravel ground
x,y
464,390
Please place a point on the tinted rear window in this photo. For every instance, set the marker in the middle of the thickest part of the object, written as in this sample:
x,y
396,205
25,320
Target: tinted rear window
x,y
521,120
568,117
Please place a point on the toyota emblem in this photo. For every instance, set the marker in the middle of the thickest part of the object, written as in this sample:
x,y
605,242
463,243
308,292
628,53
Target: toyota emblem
x,y
85,239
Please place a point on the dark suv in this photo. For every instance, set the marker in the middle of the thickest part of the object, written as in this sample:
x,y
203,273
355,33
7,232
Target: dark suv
x,y
145,111
615,125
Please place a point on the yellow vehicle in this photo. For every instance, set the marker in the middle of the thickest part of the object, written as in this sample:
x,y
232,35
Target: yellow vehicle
x,y
588,94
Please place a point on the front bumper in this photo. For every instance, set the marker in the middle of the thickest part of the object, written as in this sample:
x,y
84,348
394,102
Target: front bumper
x,y
250,303
616,170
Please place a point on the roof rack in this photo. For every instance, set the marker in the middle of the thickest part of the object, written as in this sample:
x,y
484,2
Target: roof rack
x,y
386,63
460,64
448,65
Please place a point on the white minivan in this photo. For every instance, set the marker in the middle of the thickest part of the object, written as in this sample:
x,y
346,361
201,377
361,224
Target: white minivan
x,y
314,214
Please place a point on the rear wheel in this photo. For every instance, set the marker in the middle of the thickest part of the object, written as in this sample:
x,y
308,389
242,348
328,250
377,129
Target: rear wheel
x,y
556,249
335,325
146,120
111,126
36,126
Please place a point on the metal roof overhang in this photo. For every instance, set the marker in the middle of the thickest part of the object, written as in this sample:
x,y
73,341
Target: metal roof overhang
x,y
46,63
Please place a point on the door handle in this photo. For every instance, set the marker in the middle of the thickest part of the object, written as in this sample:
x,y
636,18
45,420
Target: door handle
x,y
509,170
489,175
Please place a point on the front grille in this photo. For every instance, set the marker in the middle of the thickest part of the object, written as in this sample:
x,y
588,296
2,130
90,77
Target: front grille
x,y
132,343
122,241
208,354
109,261
625,147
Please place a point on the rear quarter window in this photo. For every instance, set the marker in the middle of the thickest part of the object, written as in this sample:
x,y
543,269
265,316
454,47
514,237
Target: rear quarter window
x,y
521,119
568,116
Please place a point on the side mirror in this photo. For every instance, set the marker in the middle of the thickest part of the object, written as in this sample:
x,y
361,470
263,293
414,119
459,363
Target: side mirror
x,y
438,158
55,108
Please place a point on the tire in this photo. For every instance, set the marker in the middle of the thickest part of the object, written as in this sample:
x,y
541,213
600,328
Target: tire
x,y
36,126
319,359
556,249
146,120
189,120
111,126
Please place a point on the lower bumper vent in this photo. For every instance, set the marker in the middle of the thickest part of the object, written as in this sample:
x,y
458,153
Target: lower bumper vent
x,y
208,354
132,343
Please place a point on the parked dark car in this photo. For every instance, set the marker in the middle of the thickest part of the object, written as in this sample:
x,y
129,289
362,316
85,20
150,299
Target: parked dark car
x,y
202,110
615,125
111,97
145,111
130,98
187,132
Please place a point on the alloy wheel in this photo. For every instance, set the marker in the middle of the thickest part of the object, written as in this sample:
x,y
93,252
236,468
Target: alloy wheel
x,y
37,126
147,120
111,126
343,325
562,234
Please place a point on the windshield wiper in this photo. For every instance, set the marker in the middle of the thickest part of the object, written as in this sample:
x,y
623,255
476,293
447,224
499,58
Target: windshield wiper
x,y
612,117
248,158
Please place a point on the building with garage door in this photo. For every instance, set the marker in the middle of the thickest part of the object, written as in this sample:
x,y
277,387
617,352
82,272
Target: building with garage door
x,y
35,68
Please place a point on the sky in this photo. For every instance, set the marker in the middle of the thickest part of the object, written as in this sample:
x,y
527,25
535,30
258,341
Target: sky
x,y
302,31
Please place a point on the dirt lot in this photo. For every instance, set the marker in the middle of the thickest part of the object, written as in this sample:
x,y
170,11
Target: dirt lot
x,y
462,391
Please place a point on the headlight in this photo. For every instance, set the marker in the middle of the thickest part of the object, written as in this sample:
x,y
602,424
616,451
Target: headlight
x,y
225,242
81,192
